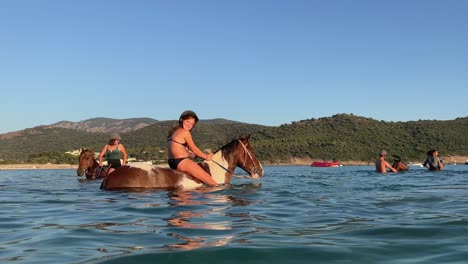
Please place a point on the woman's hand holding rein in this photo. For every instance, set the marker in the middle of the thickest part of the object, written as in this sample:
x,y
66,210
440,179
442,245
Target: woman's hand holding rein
x,y
208,156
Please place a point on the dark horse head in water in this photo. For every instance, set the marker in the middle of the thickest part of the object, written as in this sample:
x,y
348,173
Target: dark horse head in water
x,y
89,166
237,153
398,164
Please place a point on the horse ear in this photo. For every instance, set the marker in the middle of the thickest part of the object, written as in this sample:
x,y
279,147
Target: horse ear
x,y
247,137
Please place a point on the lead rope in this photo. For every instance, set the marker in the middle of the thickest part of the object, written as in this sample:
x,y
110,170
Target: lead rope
x,y
229,171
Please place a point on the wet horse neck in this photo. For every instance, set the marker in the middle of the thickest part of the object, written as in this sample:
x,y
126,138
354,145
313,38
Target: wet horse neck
x,y
218,167
93,167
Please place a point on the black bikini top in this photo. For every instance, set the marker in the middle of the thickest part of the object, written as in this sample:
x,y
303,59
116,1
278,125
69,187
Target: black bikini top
x,y
183,144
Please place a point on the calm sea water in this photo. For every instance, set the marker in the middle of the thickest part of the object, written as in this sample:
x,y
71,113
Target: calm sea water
x,y
295,214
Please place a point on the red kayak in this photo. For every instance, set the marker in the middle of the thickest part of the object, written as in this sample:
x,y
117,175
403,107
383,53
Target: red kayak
x,y
325,164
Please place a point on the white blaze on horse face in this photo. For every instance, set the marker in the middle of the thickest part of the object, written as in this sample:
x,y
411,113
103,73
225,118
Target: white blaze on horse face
x,y
256,176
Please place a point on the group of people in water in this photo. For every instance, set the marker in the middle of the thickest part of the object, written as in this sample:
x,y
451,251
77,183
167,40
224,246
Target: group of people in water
x,y
432,162
181,150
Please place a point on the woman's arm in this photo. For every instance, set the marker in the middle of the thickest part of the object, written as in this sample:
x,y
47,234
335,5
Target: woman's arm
x,y
426,162
101,155
124,152
441,165
191,145
390,167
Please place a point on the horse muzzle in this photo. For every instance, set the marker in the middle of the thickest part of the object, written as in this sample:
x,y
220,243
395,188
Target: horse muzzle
x,y
257,174
79,172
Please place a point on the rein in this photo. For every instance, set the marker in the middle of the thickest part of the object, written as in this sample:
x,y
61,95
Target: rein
x,y
90,172
250,156
96,172
93,172
229,171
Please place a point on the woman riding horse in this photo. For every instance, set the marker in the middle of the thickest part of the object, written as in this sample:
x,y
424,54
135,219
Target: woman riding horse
x,y
237,153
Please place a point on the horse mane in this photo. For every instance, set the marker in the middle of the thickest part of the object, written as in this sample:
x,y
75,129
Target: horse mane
x,y
87,150
228,149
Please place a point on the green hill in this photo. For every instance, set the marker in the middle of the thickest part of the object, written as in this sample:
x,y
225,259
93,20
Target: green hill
x,y
342,137
349,137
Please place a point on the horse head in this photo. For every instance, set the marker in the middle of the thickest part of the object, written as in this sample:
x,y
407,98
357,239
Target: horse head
x,y
237,153
86,161
247,160
398,164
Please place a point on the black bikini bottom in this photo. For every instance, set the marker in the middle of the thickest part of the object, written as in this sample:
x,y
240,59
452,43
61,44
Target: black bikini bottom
x,y
173,163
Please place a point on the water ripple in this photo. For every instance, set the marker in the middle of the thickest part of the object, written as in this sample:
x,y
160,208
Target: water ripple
x,y
293,215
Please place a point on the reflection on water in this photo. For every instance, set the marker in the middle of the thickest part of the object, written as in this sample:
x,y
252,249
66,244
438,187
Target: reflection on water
x,y
217,204
343,215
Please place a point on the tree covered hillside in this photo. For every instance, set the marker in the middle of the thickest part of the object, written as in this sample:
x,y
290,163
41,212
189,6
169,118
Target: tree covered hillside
x,y
342,137
348,137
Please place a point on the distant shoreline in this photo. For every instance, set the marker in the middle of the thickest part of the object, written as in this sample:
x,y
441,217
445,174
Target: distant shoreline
x,y
460,160
27,166
36,166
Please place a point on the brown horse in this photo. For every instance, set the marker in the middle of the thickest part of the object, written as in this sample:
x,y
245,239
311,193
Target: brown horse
x,y
398,164
89,166
237,153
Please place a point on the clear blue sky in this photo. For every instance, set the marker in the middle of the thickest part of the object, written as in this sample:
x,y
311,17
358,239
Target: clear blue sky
x,y
257,61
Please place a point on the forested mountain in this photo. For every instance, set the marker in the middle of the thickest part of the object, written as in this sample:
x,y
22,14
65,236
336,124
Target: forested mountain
x,y
343,137
107,125
349,137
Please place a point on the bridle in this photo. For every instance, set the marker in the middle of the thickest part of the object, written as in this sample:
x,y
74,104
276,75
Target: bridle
x,y
246,154
89,172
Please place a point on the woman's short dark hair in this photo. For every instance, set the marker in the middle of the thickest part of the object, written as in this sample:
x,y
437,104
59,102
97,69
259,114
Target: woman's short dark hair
x,y
187,114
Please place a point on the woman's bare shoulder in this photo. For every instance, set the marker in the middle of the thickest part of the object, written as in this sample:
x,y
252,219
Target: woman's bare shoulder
x,y
182,132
